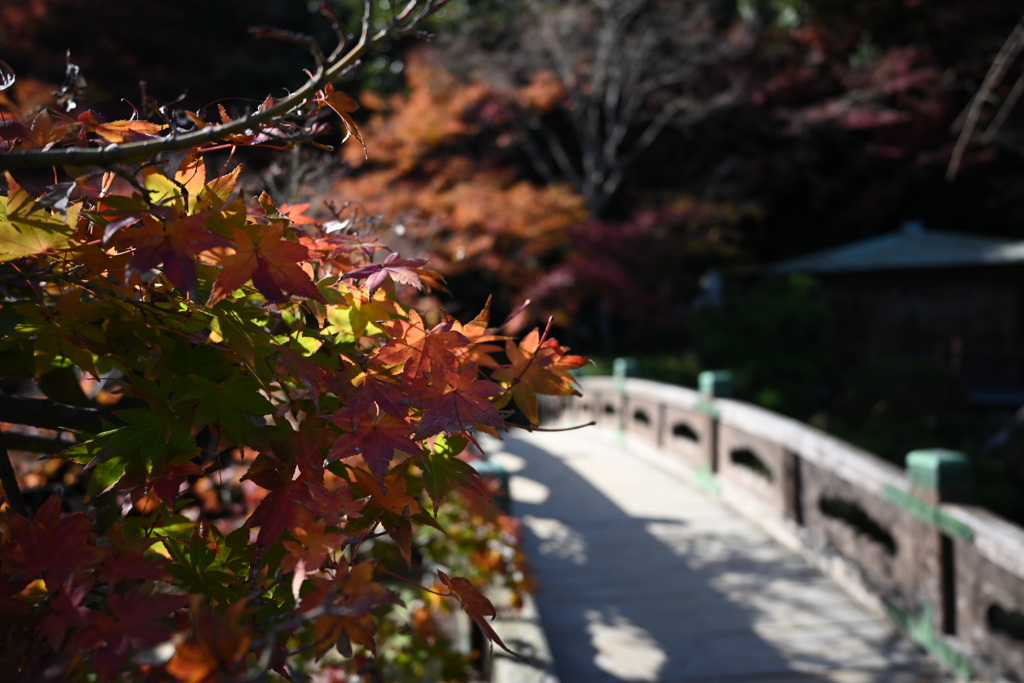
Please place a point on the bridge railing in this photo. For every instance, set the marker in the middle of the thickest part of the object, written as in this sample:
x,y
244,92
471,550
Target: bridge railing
x,y
906,543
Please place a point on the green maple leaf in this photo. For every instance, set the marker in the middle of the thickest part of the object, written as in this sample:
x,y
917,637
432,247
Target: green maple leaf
x,y
229,405
26,228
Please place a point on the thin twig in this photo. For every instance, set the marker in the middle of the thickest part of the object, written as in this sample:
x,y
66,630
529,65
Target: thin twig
x,y
532,428
1007,53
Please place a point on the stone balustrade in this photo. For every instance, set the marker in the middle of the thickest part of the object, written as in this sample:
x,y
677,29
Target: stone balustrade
x,y
906,544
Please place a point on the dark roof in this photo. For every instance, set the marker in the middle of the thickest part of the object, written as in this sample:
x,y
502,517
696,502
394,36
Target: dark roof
x,y
912,247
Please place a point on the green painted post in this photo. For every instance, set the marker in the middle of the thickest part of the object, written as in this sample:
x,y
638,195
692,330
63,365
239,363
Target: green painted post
x,y
712,384
939,475
621,369
715,383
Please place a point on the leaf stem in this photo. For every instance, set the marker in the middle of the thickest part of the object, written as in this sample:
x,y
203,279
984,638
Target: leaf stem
x,y
532,428
393,575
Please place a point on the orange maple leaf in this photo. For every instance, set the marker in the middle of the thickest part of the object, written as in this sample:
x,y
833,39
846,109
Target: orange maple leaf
x,y
351,595
270,261
420,351
343,106
538,366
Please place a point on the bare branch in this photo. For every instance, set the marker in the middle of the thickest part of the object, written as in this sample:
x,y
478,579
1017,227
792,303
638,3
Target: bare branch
x,y
330,72
1009,51
629,69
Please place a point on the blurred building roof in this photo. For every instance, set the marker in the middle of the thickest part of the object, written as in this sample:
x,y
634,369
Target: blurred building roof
x,y
912,247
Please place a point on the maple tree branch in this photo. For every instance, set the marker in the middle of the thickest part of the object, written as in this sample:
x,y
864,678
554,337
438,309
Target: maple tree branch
x,y
1007,53
329,72
47,414
35,444
9,481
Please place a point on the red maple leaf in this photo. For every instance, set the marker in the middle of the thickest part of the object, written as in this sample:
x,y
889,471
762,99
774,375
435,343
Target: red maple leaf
x,y
377,387
375,436
270,261
172,244
170,479
135,623
475,605
403,271
462,407
49,546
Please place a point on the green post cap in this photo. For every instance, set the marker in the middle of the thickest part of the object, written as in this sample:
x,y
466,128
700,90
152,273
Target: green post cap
x,y
621,369
943,472
715,383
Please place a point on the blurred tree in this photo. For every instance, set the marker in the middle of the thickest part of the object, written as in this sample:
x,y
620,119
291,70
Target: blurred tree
x,y
772,338
603,79
144,41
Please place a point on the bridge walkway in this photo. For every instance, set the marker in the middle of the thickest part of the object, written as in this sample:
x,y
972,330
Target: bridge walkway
x,y
644,577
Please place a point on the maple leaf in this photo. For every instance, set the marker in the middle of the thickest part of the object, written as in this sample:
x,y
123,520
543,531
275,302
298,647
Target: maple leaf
x,y
215,648
271,262
369,388
279,507
170,479
343,106
312,542
538,366
375,436
228,404
67,613
442,468
119,131
172,244
420,351
346,602
296,213
49,546
217,192
403,271
191,175
475,605
135,622
479,350
462,407
26,228
397,507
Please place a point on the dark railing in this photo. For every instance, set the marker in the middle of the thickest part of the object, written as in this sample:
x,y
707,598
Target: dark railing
x,y
906,544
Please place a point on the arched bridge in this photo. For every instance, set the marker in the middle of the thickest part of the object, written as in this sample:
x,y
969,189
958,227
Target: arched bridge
x,y
688,537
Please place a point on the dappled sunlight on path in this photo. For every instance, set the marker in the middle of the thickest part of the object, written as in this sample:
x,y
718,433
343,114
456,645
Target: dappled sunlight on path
x,y
643,578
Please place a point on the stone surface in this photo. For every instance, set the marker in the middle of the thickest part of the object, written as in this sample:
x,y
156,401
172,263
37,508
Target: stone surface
x,y
644,578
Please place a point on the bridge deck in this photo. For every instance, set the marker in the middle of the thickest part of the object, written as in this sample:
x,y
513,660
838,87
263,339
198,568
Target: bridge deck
x,y
644,578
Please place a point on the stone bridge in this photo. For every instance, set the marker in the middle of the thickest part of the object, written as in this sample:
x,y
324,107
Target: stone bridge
x,y
689,537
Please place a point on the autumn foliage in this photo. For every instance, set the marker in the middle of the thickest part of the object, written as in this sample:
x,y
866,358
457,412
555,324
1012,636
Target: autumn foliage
x,y
234,451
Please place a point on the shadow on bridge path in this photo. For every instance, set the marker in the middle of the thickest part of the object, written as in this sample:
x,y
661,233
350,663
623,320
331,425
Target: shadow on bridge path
x,y
644,578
